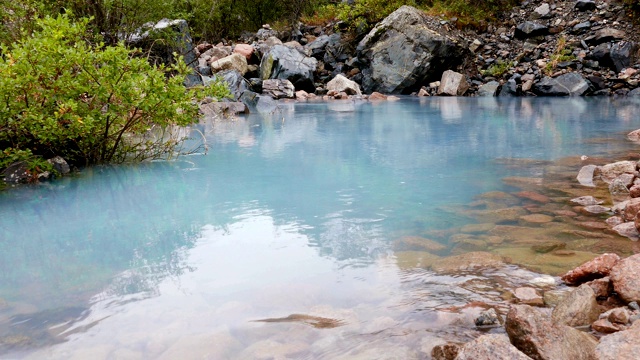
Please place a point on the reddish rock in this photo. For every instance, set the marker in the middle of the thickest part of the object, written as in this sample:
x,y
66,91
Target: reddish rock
x,y
490,347
601,287
595,210
614,221
606,326
594,269
634,191
579,308
377,96
528,296
628,230
586,201
245,50
623,345
533,334
631,209
611,171
445,352
534,196
625,278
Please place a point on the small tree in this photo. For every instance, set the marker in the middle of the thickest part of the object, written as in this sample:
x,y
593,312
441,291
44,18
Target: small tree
x,y
91,104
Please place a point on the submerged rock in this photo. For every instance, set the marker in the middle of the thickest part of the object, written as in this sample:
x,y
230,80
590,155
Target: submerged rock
x,y
467,261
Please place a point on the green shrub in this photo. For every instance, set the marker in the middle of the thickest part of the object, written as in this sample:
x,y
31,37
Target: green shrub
x,y
497,69
90,104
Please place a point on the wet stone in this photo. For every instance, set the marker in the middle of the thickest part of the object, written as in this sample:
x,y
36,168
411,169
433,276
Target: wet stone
x,y
595,268
487,318
528,296
586,201
536,218
445,352
467,261
419,243
533,196
595,210
548,246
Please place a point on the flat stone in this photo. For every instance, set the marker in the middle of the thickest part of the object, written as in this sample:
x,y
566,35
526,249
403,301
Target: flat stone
x,y
595,209
533,196
548,246
536,218
606,326
418,243
586,201
579,308
415,259
596,268
528,296
490,347
625,279
467,261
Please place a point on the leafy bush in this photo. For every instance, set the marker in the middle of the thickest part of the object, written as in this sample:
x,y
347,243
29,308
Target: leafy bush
x,y
498,69
61,95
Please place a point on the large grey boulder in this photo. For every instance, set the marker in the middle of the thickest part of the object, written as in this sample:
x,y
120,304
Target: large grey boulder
x,y
579,308
571,84
532,333
490,347
488,89
623,54
283,62
401,53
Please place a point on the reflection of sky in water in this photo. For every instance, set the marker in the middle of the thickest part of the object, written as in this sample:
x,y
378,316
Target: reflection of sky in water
x,y
290,213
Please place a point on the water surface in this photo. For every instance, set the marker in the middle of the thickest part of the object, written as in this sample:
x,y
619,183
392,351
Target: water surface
x,y
296,212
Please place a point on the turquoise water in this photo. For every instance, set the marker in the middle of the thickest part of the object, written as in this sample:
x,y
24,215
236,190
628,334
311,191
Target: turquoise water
x,y
289,213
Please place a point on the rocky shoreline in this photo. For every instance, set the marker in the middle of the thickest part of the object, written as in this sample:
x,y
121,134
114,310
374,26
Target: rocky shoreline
x,y
540,48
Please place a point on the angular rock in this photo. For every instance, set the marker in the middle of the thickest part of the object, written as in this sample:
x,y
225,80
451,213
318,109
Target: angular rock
x,y
607,35
59,165
317,47
258,103
597,268
510,88
579,308
245,50
628,230
585,5
585,175
282,62
236,83
571,84
235,62
625,279
488,89
17,173
635,134
529,29
611,171
341,84
601,287
606,326
619,191
533,334
401,53
452,84
487,318
528,296
278,88
623,54
490,347
631,209
623,345
541,11
595,210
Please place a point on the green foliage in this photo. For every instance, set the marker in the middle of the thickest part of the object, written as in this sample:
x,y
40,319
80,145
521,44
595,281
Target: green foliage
x,y
497,69
561,54
60,95
471,12
365,13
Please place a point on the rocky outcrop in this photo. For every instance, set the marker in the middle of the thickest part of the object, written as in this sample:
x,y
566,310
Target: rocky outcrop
x,y
533,334
401,53
282,62
571,84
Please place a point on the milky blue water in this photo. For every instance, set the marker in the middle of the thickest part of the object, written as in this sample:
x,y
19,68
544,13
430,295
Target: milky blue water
x,y
288,213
